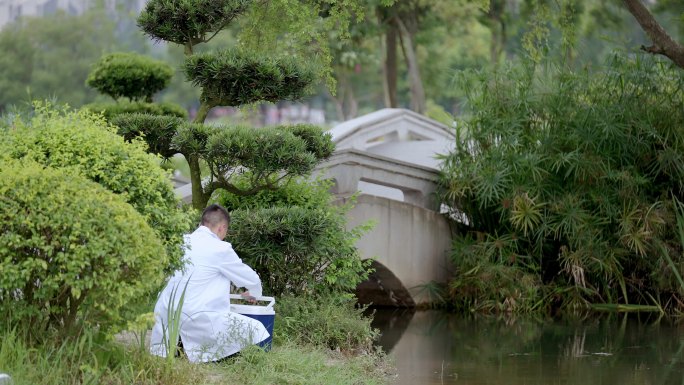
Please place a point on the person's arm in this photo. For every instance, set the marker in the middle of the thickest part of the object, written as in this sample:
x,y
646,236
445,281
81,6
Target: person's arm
x,y
240,274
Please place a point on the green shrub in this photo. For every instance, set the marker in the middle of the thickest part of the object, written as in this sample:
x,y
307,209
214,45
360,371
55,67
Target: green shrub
x,y
331,321
70,250
111,110
298,250
130,75
295,237
567,178
86,144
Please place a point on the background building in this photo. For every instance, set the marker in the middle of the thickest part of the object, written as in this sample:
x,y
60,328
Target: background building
x,y
11,10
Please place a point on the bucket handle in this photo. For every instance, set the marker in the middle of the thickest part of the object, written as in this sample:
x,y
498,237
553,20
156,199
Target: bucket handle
x,y
271,300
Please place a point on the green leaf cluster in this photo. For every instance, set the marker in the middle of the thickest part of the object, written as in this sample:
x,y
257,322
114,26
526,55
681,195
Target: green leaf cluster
x,y
269,156
129,75
188,22
89,146
110,110
234,78
565,179
71,250
157,131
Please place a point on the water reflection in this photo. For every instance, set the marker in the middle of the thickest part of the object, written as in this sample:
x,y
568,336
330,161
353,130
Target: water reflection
x,y
432,347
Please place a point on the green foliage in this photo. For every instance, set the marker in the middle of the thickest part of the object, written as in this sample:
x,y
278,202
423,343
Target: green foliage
x,y
111,110
129,75
295,237
15,67
268,150
55,55
86,144
563,181
233,78
298,250
70,250
301,28
332,321
270,156
157,131
304,193
187,22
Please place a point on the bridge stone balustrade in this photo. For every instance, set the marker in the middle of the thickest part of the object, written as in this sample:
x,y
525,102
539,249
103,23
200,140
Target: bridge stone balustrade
x,y
348,167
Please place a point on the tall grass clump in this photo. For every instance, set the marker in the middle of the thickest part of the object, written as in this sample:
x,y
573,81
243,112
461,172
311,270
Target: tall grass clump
x,y
562,183
330,321
89,358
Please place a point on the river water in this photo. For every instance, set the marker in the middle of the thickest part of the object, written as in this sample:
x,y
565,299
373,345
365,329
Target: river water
x,y
432,347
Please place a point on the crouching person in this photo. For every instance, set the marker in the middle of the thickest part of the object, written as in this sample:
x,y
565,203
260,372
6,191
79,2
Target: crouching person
x,y
209,331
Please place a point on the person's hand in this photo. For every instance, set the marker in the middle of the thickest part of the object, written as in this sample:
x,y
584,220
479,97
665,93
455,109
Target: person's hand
x,y
248,297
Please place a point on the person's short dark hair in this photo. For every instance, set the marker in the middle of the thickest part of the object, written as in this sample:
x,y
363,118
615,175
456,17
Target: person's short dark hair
x,y
214,215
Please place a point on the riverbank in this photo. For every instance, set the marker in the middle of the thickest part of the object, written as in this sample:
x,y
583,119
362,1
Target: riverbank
x,y
91,360
324,341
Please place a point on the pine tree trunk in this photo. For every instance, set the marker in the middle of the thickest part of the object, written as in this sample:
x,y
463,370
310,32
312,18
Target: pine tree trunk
x,y
199,200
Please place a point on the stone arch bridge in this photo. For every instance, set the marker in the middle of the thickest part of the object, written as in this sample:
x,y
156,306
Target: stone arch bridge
x,y
388,158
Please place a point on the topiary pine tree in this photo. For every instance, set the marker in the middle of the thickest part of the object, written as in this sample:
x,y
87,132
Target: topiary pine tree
x,y
270,156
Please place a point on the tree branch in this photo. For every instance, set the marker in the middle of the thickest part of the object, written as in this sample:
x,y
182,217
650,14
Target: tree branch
x,y
663,44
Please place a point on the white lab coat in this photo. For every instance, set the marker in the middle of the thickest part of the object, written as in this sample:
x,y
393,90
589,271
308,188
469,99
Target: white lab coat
x,y
209,330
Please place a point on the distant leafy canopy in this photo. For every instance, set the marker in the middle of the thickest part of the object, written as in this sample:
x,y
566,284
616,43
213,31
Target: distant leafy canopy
x,y
110,110
70,249
85,143
268,154
188,22
233,78
130,75
567,182
157,131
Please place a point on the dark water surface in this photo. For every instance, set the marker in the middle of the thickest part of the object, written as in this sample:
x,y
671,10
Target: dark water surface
x,y
433,347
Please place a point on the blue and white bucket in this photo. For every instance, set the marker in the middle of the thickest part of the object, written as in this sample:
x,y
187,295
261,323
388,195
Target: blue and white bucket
x,y
262,313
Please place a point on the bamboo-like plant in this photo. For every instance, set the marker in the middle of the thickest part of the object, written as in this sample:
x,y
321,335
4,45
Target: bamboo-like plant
x,y
561,181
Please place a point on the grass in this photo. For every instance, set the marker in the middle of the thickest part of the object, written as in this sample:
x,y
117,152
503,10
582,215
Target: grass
x,y
298,364
88,359
324,341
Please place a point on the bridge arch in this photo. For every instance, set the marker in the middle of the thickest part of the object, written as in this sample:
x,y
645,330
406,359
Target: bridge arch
x,y
383,288
388,159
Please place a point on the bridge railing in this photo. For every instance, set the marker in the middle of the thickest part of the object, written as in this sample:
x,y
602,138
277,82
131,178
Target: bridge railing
x,y
348,167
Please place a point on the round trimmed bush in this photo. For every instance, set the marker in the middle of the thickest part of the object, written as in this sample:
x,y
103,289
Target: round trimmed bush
x,y
70,250
130,75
